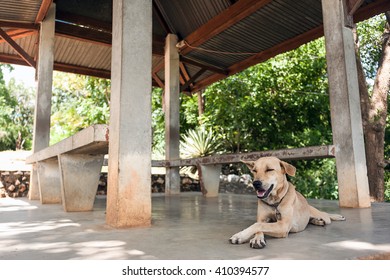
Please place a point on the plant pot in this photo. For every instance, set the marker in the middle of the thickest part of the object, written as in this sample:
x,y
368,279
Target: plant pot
x,y
209,177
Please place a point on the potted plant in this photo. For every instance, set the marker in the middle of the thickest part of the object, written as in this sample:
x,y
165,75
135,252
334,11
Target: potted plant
x,y
201,142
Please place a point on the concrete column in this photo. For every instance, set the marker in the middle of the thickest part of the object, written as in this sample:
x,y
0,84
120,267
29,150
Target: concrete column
x,y
345,106
79,180
129,164
33,192
172,113
41,134
49,181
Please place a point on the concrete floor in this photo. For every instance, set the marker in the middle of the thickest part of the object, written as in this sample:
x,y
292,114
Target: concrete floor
x,y
184,227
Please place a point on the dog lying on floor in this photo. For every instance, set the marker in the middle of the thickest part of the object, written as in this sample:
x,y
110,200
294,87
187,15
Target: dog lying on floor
x,y
281,209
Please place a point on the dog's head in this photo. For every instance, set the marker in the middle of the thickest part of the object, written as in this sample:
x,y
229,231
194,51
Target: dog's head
x,y
269,175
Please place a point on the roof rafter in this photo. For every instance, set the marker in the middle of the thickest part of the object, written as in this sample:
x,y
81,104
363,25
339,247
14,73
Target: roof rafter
x,y
22,25
23,54
362,13
375,8
353,5
45,5
203,65
19,33
264,55
193,78
100,73
221,22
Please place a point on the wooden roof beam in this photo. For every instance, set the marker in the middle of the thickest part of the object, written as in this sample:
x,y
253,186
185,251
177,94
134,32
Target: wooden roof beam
x,y
363,13
19,33
158,80
375,8
203,65
353,5
264,55
45,5
21,25
193,78
105,74
76,69
220,23
25,56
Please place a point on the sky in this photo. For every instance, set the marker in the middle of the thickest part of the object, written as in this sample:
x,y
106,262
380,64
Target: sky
x,y
22,74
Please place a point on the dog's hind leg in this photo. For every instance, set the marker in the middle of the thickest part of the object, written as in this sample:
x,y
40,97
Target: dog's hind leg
x,y
320,218
336,217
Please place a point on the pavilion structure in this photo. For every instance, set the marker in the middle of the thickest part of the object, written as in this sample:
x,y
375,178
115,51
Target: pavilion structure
x,y
181,46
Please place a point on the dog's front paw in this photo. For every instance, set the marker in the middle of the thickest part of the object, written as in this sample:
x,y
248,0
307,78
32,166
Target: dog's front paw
x,y
238,238
258,242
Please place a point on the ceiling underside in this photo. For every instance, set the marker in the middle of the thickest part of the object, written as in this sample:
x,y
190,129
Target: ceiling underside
x,y
217,38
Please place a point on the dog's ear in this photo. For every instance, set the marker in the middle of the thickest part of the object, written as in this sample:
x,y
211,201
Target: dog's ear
x,y
288,168
250,164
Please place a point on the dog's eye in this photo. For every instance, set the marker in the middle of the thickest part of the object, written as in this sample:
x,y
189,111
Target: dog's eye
x,y
254,170
269,170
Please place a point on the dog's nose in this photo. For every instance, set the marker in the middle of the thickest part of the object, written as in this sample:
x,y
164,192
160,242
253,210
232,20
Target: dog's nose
x,y
257,184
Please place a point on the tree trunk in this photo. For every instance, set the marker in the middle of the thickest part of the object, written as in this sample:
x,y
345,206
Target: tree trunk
x,y
374,113
200,103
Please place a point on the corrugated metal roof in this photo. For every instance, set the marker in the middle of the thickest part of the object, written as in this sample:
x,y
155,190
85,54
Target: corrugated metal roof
x,y
81,53
257,31
20,11
28,44
276,22
183,17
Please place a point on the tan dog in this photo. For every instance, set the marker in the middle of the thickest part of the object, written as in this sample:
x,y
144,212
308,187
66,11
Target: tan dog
x,y
281,209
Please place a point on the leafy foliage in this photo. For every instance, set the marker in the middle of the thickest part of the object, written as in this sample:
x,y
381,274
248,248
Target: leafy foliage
x,y
199,143
78,101
16,114
280,103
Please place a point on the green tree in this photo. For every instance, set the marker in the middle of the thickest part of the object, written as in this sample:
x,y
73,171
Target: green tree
x,y
16,114
373,62
280,103
78,101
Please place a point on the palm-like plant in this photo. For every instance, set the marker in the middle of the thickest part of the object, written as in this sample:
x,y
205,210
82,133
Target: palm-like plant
x,y
197,143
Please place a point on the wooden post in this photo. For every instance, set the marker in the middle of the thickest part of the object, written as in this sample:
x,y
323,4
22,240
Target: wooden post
x,y
345,106
129,164
172,113
41,134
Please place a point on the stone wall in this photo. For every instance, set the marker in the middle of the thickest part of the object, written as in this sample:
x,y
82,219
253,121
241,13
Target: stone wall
x,y
16,183
228,184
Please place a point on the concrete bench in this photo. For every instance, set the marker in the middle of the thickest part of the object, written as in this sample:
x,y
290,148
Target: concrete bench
x,y
68,171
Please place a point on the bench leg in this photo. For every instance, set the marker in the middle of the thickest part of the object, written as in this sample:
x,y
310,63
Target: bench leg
x,y
49,181
209,177
79,180
33,193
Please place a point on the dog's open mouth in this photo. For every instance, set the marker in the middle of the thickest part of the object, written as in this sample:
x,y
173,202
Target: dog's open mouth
x,y
262,194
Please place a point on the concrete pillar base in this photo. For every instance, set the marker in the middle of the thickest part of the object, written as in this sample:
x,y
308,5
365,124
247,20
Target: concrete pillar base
x,y
209,176
49,181
79,181
33,192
